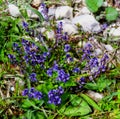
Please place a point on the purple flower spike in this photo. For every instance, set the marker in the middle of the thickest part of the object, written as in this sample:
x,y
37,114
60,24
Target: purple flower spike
x,y
33,77
54,96
67,48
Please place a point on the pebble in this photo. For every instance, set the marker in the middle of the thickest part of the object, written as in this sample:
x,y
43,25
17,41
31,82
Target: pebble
x,y
95,96
36,3
64,12
14,10
88,23
109,48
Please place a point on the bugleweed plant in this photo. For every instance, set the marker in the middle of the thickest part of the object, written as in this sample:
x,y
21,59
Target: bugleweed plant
x,y
52,75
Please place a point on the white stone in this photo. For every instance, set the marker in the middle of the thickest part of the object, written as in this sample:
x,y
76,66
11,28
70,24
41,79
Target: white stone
x,y
96,96
98,51
68,27
36,3
51,12
50,34
115,32
88,23
64,12
84,10
109,48
14,10
12,88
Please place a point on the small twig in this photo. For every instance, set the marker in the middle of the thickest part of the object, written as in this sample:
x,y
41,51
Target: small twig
x,y
112,56
44,112
1,94
8,90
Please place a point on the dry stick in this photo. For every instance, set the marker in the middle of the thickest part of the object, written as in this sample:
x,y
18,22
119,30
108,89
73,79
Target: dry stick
x,y
8,90
113,56
1,94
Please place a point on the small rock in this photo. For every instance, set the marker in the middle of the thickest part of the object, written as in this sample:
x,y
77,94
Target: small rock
x,y
109,48
88,23
36,3
12,88
95,96
14,10
51,12
115,32
64,12
50,34
69,27
98,51
84,10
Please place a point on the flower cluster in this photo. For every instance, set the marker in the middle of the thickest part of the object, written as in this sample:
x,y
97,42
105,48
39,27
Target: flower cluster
x,y
44,11
59,32
32,56
33,77
67,47
69,58
25,25
76,70
87,51
54,96
12,59
32,93
62,75
94,64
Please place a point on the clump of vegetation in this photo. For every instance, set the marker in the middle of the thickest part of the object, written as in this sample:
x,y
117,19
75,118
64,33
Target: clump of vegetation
x,y
48,79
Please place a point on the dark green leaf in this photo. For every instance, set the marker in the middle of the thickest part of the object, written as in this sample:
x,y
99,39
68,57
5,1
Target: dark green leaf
x,y
93,5
36,12
100,85
111,14
78,107
75,100
90,101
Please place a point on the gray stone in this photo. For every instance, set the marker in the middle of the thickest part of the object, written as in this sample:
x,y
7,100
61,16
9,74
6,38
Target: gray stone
x,y
88,23
64,12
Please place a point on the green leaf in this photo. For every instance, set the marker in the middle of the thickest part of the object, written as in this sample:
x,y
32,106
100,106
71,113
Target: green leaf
x,y
78,107
36,12
81,110
100,85
40,115
75,100
111,14
29,103
90,101
51,106
69,84
93,5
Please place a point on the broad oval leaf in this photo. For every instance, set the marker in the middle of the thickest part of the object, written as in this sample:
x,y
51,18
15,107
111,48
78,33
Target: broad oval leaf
x,y
93,5
78,107
90,101
111,14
